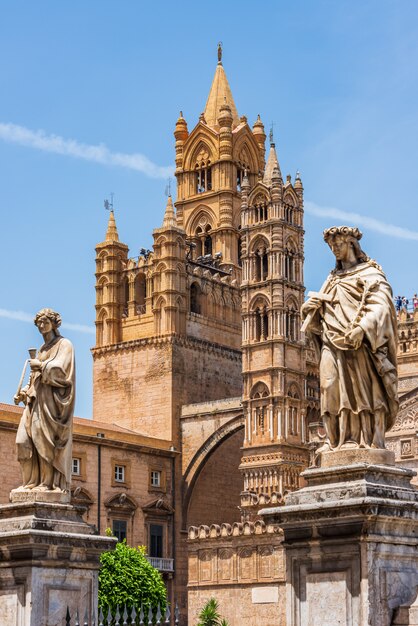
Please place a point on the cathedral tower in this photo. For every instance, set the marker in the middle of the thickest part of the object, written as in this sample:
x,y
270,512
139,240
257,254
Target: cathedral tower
x,y
274,367
210,165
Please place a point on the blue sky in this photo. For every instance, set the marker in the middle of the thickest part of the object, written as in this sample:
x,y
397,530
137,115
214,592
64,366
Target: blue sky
x,y
90,95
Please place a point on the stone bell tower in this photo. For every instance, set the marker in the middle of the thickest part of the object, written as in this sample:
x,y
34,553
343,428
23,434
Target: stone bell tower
x,y
274,367
210,165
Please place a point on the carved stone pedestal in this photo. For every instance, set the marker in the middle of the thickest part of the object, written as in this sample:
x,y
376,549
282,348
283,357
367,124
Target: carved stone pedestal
x,y
351,542
49,559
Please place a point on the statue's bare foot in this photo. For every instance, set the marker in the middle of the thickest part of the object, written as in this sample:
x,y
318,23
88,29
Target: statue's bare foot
x,y
324,448
42,487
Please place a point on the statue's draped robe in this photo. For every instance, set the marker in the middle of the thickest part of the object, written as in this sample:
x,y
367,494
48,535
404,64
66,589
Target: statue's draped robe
x,y
363,379
45,430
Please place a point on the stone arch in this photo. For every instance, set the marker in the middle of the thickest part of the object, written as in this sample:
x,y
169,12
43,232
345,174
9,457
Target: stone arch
x,y
244,148
223,446
291,198
293,390
160,316
202,141
259,390
201,217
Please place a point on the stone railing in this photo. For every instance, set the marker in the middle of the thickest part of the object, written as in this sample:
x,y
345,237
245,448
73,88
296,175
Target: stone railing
x,y
162,564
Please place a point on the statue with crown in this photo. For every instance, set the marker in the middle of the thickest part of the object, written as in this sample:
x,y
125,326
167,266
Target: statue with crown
x,y
353,321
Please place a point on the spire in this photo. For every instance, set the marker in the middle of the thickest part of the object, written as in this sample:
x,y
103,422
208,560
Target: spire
x,y
272,164
112,231
169,216
220,92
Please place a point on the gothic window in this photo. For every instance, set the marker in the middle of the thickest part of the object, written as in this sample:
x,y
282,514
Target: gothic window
x,y
125,297
290,267
140,293
203,240
291,323
241,171
289,209
261,264
261,324
208,245
195,299
260,390
203,177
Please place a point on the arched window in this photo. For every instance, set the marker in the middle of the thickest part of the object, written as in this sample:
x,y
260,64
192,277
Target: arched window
x,y
261,264
208,245
195,299
261,324
292,322
203,177
140,293
203,241
241,170
290,263
125,297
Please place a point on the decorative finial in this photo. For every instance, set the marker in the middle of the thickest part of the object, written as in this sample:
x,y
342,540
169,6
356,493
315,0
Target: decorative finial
x,y
271,134
181,113
297,177
168,189
220,53
109,205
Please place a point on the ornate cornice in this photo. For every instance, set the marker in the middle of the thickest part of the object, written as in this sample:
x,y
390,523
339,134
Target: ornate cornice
x,y
173,340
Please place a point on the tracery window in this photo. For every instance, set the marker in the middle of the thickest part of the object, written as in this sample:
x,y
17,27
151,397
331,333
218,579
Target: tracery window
x,y
290,264
203,177
261,324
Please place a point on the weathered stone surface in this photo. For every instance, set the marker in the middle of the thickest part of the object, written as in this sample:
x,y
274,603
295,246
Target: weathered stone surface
x,y
351,546
50,559
30,495
375,456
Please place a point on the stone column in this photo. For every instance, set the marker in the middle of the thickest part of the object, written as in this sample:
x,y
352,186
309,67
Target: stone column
x,y
350,537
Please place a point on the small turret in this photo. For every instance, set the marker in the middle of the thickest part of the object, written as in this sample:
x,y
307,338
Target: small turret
x,y
112,231
169,220
272,164
111,255
260,136
298,186
180,133
225,131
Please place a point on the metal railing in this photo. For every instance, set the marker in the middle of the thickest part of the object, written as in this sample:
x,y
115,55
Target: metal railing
x,y
162,564
124,616
409,304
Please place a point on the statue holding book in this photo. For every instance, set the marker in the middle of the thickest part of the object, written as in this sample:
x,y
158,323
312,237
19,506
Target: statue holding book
x,y
353,320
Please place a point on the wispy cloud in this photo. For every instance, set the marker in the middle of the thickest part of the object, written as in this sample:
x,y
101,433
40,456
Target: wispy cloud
x,y
21,316
40,140
361,220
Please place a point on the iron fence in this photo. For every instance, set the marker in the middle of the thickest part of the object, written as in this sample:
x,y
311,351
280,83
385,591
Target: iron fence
x,y
125,616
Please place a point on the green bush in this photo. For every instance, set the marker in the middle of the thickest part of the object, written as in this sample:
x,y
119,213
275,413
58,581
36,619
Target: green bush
x,y
127,578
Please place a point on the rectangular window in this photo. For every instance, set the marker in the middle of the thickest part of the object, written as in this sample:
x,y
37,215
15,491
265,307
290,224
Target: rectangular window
x,y
120,473
119,528
156,540
76,467
155,478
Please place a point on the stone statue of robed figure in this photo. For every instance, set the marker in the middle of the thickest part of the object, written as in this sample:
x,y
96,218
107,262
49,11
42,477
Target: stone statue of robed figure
x,y
44,436
354,321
